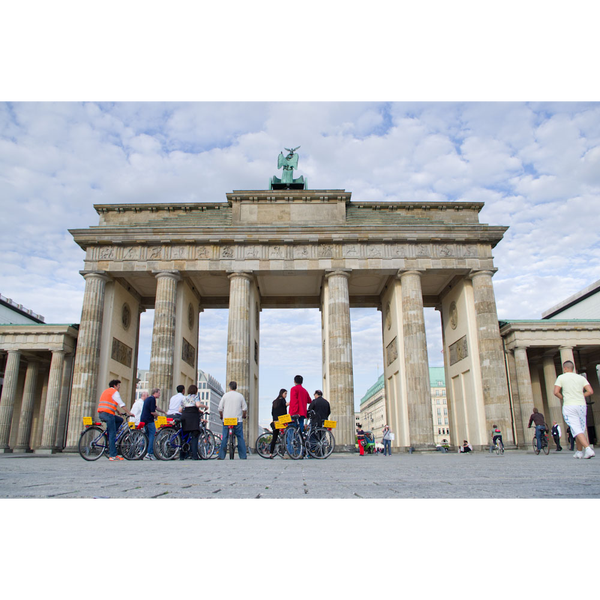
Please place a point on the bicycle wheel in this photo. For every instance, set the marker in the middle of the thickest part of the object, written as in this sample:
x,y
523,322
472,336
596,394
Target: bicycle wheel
x,y
546,448
217,437
134,445
206,444
167,444
92,443
320,443
535,448
231,444
263,444
501,449
293,442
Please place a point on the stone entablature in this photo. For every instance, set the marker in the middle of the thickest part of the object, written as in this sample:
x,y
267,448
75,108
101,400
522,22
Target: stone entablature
x,y
549,333
38,337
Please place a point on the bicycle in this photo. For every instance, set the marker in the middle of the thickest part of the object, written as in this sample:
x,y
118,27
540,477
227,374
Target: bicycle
x,y
499,447
545,445
231,439
318,441
132,444
170,441
263,443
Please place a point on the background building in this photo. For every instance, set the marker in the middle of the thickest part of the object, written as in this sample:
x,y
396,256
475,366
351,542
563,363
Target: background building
x,y
439,405
211,392
372,409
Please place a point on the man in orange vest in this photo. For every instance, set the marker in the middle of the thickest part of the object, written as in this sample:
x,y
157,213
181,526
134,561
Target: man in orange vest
x,y
108,407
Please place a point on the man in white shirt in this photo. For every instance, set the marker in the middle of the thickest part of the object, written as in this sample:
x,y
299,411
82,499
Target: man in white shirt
x,y
573,389
233,406
136,409
175,403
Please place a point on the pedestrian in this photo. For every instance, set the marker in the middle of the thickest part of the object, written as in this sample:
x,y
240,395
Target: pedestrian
x,y
233,406
278,409
136,409
190,419
573,389
570,438
466,447
321,407
360,438
299,400
387,441
556,435
149,412
174,410
108,407
540,426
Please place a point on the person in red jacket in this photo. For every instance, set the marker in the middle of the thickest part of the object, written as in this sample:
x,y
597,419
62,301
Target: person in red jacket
x,y
299,400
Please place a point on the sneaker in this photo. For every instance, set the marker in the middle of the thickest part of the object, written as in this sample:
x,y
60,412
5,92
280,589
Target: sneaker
x,y
589,452
149,457
578,454
116,458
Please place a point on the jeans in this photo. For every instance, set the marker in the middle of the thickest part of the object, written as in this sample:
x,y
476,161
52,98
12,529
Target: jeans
x,y
387,447
539,430
151,431
113,422
238,431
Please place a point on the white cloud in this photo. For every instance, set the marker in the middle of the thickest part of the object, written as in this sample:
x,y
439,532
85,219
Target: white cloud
x,y
536,166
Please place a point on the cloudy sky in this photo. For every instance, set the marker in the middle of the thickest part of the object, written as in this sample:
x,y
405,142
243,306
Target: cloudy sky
x,y
536,166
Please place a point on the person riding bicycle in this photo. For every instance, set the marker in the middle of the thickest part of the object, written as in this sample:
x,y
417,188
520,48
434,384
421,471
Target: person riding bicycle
x,y
540,426
497,435
109,405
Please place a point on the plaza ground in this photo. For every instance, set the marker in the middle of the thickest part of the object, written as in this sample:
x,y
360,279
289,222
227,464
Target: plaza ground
x,y
517,474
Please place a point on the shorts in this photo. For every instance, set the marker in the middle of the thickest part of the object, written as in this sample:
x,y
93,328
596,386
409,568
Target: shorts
x,y
575,418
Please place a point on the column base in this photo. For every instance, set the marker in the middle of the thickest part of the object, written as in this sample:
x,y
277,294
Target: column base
x,y
5,450
72,449
22,450
46,451
344,448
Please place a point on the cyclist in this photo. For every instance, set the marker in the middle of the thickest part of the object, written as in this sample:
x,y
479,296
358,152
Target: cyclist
x,y
110,404
360,437
320,407
497,435
190,407
278,409
540,426
233,406
299,400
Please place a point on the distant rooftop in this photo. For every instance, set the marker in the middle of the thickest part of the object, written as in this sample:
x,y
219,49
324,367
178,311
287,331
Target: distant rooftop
x,y
19,308
574,299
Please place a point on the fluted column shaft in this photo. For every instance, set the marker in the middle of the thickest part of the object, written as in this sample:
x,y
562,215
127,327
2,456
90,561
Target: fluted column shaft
x,y
24,433
566,353
525,389
85,375
341,374
7,402
491,354
163,334
238,333
52,400
554,404
415,361
63,406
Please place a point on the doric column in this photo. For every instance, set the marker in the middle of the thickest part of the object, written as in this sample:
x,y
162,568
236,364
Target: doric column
x,y
52,401
491,355
341,376
163,333
24,434
554,404
592,377
63,406
415,360
566,353
525,389
238,334
7,402
85,375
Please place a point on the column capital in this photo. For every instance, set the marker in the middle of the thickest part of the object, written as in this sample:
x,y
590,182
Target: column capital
x,y
172,274
565,348
402,272
475,272
339,272
102,275
249,275
520,347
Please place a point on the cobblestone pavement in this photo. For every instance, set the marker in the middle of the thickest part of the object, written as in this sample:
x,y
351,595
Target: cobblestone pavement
x,y
517,474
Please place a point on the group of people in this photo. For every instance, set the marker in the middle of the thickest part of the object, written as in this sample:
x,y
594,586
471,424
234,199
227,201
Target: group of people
x,y
570,388
298,408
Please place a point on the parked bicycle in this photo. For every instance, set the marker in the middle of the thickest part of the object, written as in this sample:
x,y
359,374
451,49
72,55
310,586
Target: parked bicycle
x,y
263,443
545,445
132,444
170,441
317,441
231,439
499,447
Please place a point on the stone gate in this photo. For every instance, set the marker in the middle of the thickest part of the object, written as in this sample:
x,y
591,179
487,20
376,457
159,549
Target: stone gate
x,y
297,248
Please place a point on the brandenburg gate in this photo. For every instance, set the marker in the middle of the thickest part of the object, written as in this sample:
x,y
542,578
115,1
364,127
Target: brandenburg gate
x,y
291,247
